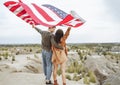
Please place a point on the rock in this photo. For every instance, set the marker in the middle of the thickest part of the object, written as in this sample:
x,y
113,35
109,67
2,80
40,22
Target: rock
x,y
72,56
101,67
100,76
113,79
33,66
6,68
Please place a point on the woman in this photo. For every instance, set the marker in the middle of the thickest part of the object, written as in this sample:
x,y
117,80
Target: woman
x,y
60,56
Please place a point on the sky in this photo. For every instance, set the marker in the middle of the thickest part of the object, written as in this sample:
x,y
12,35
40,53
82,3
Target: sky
x,y
102,22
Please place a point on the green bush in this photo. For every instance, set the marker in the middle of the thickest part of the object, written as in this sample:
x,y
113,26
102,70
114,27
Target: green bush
x,y
92,77
76,77
75,67
0,58
13,58
86,80
80,55
70,68
59,72
107,84
35,56
68,77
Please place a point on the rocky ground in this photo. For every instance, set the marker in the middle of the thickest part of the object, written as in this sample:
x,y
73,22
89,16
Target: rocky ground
x,y
107,72
27,70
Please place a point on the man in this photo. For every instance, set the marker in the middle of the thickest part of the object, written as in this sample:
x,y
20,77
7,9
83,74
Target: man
x,y
47,42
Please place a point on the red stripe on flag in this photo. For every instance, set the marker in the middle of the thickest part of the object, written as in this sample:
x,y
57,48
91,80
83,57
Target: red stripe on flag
x,y
21,13
14,8
66,19
43,13
25,13
9,3
33,16
76,25
26,17
28,21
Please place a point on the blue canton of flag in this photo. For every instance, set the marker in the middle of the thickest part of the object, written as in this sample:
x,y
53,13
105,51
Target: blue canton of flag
x,y
57,11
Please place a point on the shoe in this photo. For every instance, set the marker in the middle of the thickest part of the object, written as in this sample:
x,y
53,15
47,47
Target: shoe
x,y
64,83
55,82
49,83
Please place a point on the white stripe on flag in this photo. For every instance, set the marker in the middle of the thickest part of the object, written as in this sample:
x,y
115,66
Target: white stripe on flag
x,y
18,10
11,5
73,22
49,12
26,19
24,15
76,16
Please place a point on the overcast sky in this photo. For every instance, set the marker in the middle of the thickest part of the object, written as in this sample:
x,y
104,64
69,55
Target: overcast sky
x,y
102,22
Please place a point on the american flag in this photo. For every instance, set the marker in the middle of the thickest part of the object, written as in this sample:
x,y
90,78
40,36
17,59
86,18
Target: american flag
x,y
46,15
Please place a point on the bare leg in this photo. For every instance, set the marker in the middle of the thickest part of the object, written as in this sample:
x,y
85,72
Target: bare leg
x,y
55,72
63,72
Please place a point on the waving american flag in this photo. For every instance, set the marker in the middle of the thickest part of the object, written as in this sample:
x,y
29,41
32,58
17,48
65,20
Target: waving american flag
x,y
46,15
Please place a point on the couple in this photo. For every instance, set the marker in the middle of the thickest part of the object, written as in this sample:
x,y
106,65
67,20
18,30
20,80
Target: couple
x,y
54,51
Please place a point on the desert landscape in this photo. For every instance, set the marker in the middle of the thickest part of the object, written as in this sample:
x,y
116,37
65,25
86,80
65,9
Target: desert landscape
x,y
88,64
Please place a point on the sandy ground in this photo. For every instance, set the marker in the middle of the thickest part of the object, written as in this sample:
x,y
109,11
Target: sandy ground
x,y
9,76
28,79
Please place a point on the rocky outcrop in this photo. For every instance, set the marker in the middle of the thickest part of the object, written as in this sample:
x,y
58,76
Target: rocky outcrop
x,y
101,67
113,79
6,68
30,65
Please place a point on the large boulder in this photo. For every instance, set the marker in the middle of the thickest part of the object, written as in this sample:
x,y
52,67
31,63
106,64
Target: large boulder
x,y
101,67
28,64
113,79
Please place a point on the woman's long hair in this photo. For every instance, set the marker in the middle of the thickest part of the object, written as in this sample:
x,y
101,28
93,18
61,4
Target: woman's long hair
x,y
58,35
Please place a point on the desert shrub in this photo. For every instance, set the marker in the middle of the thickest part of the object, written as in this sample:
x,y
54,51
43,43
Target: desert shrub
x,y
86,80
0,58
38,51
75,67
35,56
83,69
70,69
80,55
59,72
107,84
85,58
68,77
5,55
89,54
117,56
78,69
92,77
117,61
30,49
76,77
13,58
17,53
75,63
112,57
4,49
105,53
83,74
